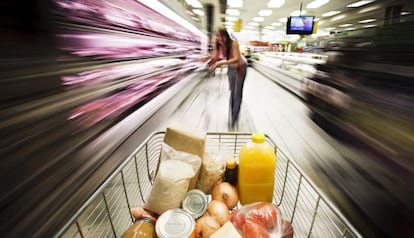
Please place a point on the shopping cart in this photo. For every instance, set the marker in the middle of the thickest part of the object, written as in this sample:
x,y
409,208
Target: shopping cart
x,y
106,213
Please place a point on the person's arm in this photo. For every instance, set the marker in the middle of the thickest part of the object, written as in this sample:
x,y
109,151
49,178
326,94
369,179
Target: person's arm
x,y
214,57
236,56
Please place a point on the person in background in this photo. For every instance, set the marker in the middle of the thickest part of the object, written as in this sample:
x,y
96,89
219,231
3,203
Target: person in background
x,y
228,49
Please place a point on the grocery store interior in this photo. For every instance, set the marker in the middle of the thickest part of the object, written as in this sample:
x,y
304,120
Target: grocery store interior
x,y
84,83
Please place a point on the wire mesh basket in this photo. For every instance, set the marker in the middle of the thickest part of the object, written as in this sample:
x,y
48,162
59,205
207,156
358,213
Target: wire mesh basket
x,y
107,212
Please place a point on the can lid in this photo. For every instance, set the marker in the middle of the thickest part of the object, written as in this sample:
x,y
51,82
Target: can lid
x,y
175,223
231,163
195,202
258,137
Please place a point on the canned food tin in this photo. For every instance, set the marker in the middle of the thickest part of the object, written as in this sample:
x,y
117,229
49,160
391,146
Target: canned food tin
x,y
195,202
175,223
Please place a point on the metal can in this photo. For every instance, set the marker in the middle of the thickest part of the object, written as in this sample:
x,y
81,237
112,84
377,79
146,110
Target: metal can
x,y
175,223
195,202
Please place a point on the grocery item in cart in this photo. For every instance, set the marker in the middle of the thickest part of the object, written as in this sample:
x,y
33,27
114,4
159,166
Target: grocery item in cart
x,y
232,171
142,227
195,202
211,172
257,162
175,223
172,181
187,139
227,231
259,219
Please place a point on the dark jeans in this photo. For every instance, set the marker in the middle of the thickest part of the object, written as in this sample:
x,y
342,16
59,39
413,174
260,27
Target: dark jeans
x,y
236,82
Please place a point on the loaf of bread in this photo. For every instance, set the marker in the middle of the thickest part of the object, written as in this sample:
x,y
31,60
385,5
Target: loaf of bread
x,y
188,139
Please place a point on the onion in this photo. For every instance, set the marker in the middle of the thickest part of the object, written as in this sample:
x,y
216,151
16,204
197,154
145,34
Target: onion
x,y
226,193
206,226
219,211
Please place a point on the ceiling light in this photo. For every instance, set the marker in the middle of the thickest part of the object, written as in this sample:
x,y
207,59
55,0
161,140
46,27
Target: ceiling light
x,y
198,12
405,13
275,3
283,19
270,27
331,13
297,13
194,3
265,12
167,12
369,9
276,24
228,18
249,27
229,23
346,25
320,23
258,19
367,21
235,3
330,28
338,17
368,26
233,12
360,3
253,23
350,29
317,3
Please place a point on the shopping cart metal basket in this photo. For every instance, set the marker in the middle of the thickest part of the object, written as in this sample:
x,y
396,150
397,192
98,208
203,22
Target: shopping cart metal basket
x,y
106,213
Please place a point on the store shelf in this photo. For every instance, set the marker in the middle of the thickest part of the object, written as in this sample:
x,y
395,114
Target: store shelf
x,y
287,69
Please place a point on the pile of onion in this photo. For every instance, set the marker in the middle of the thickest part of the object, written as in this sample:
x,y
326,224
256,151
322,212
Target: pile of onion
x,y
226,193
224,197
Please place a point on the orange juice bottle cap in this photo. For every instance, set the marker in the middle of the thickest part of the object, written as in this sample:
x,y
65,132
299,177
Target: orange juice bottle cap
x,y
258,137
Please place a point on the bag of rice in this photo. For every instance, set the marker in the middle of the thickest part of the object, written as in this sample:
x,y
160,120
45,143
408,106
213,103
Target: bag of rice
x,y
212,172
172,181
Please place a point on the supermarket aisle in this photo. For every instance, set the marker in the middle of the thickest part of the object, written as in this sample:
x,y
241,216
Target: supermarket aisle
x,y
207,107
341,172
266,107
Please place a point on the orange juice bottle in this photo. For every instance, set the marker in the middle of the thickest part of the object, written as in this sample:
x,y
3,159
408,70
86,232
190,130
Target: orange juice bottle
x,y
257,162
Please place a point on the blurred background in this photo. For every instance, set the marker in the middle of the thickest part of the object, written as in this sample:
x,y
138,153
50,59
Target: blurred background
x,y
83,82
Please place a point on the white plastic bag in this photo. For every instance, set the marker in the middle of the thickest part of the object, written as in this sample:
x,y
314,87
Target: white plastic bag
x,y
259,219
173,178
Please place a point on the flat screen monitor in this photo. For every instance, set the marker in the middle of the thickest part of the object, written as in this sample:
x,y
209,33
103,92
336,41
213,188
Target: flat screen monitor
x,y
302,25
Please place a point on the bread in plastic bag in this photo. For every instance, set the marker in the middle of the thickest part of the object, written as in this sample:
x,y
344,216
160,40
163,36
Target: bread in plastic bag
x,y
175,171
211,172
259,219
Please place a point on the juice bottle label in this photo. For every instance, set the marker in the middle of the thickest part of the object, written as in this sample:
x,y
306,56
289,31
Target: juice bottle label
x,y
256,172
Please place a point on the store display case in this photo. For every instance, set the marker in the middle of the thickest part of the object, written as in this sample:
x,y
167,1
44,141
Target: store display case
x,y
287,69
363,96
83,83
